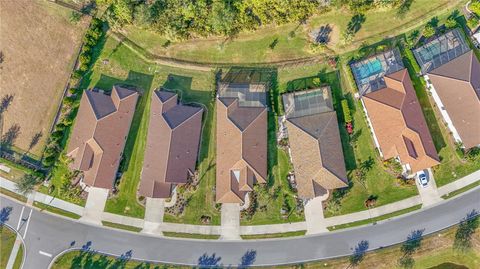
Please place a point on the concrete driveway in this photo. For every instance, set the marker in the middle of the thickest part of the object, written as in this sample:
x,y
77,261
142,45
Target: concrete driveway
x,y
429,194
97,197
230,226
154,211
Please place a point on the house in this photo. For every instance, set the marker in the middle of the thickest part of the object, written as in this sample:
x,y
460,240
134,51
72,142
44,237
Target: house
x,y
398,124
452,73
241,140
171,150
315,145
99,134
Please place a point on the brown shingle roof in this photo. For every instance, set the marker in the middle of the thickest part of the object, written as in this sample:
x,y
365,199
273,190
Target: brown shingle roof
x,y
457,83
399,124
99,134
241,149
172,145
315,144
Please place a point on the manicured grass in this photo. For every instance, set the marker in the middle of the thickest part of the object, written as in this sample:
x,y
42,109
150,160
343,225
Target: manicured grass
x,y
56,210
275,235
194,236
376,219
7,241
461,190
59,171
125,67
435,249
121,226
18,260
293,43
14,195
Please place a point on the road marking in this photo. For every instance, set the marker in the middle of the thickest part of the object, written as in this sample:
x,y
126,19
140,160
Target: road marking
x,y
20,218
28,222
45,253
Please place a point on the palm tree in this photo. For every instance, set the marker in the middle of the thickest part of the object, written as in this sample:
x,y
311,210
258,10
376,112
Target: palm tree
x,y
26,184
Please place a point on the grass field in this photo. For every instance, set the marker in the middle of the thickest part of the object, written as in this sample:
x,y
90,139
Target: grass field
x,y
121,226
124,67
7,238
39,45
275,235
194,236
293,43
435,250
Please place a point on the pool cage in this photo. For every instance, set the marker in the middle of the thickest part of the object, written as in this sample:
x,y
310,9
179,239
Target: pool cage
x,y
306,103
369,73
441,50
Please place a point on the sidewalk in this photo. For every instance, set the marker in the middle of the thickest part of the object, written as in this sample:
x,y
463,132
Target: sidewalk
x,y
231,228
13,254
459,183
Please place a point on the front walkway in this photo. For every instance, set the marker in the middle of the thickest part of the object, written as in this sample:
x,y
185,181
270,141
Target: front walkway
x,y
230,229
97,197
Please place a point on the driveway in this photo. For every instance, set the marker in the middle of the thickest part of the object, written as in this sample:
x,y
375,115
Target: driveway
x,y
230,228
429,194
154,210
314,215
97,197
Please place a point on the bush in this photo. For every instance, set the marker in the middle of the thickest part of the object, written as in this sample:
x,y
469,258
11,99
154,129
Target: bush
x,y
475,7
472,22
346,111
429,31
75,16
451,23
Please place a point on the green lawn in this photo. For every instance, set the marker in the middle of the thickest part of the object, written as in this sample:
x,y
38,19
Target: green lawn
x,y
194,236
275,235
56,210
376,219
123,66
461,190
14,195
293,43
121,226
7,240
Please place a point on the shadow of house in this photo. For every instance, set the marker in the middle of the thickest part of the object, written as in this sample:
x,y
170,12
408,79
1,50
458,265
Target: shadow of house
x,y
143,83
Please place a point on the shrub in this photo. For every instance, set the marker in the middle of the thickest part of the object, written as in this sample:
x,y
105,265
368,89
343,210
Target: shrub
x,y
451,23
346,111
429,31
75,16
475,7
316,82
472,22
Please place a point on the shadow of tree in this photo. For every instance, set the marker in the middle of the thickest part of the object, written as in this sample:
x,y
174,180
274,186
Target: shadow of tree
x,y
209,261
5,214
248,259
355,23
9,137
6,102
404,8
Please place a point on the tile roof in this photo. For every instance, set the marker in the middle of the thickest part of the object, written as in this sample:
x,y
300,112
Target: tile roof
x,y
315,144
241,146
399,124
99,134
457,83
173,141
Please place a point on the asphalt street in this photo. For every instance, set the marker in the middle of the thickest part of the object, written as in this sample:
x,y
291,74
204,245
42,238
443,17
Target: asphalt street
x,y
47,235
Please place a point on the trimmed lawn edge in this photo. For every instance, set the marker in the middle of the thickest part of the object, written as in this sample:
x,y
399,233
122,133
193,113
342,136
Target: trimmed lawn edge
x,y
375,219
55,210
193,236
461,190
274,235
121,226
13,195
19,259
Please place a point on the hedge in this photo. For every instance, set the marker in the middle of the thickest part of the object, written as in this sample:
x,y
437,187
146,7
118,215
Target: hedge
x,y
346,111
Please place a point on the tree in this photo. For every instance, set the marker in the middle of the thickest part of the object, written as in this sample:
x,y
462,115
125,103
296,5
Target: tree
x,y
429,31
475,7
451,23
465,230
359,253
26,184
75,16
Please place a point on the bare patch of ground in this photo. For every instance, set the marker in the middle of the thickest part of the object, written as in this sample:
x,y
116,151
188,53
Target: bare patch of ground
x,y
39,44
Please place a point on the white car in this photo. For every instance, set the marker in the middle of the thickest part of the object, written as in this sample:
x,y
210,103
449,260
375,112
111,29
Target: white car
x,y
422,179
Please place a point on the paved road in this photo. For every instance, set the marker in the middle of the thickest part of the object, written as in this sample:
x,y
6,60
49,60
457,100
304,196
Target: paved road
x,y
49,235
